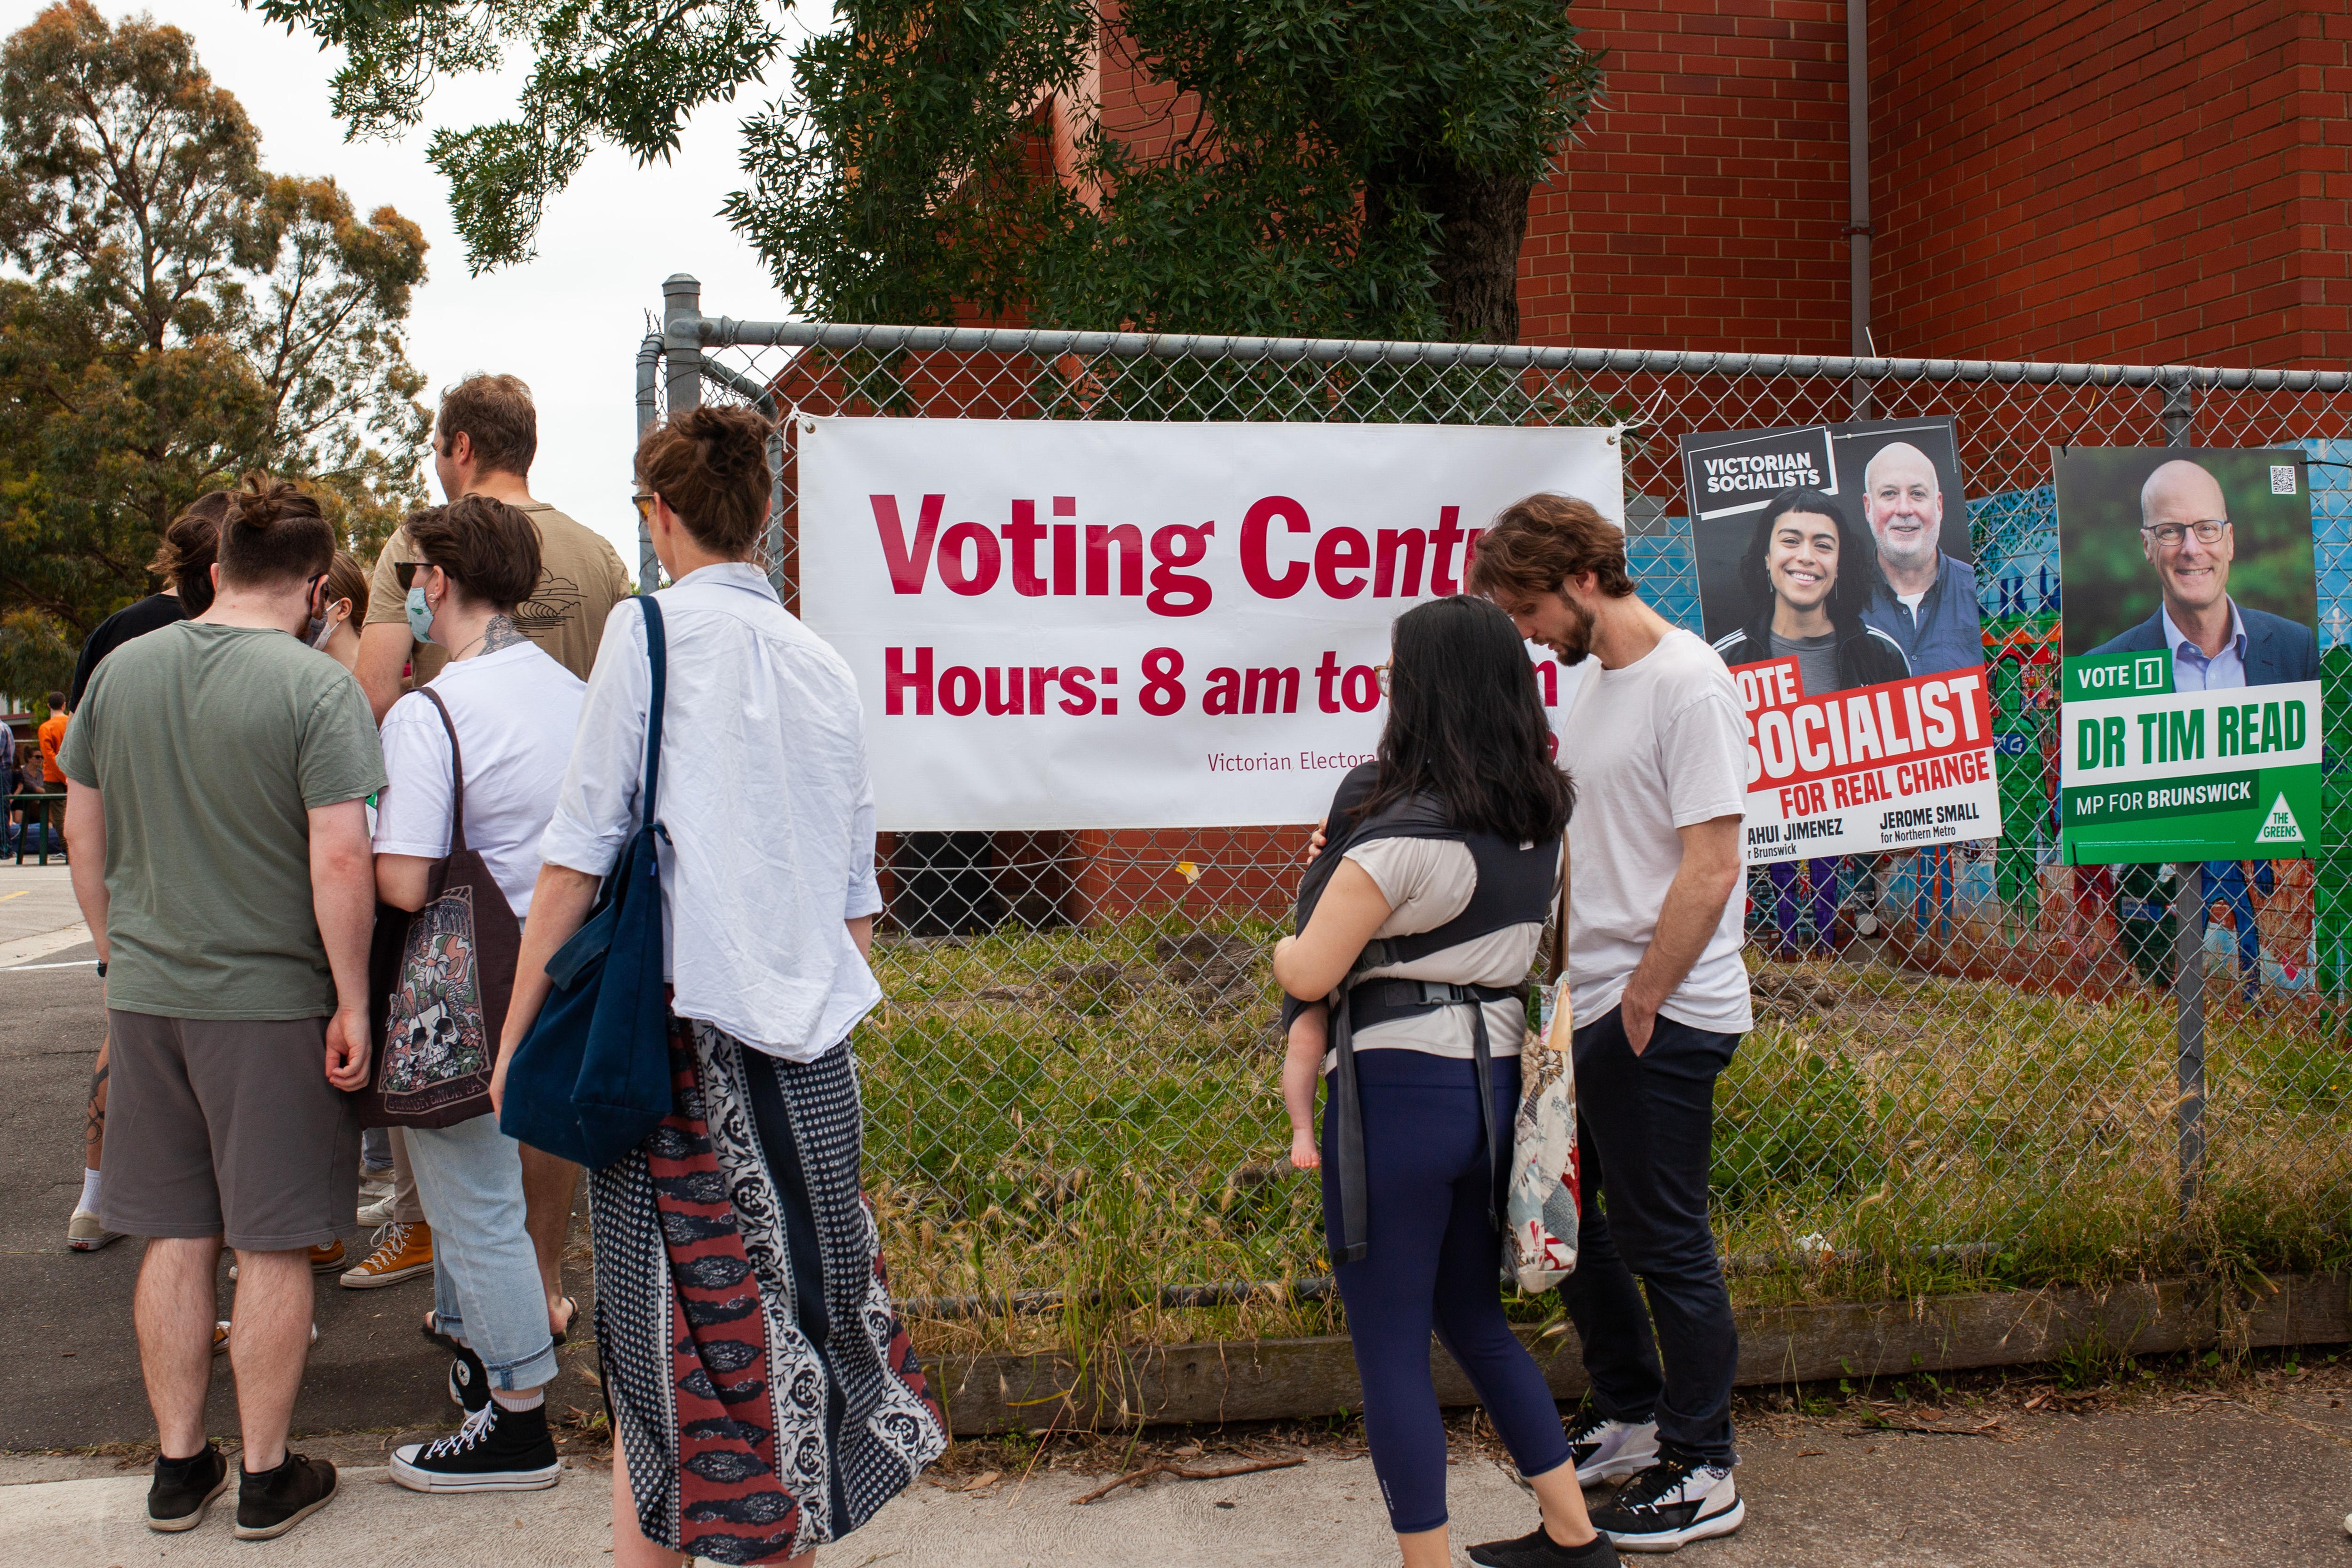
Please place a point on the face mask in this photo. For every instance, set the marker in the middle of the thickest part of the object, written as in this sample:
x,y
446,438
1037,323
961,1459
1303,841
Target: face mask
x,y
320,629
420,614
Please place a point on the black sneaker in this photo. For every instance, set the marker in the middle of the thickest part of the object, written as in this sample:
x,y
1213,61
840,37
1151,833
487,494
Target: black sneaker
x,y
1606,1450
1540,1550
183,1489
469,1381
497,1450
274,1501
1676,1500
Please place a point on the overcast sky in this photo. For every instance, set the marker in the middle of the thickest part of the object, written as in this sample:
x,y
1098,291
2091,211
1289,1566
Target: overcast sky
x,y
569,321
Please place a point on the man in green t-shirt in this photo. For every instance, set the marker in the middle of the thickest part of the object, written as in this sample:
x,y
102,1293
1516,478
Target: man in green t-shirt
x,y
216,774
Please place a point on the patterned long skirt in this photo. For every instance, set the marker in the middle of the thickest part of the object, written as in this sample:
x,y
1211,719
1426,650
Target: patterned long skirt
x,y
765,1394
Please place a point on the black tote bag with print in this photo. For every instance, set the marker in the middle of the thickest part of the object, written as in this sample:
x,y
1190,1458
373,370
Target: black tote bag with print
x,y
438,981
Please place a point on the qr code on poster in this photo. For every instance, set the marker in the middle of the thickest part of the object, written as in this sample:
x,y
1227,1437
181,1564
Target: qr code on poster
x,y
2282,479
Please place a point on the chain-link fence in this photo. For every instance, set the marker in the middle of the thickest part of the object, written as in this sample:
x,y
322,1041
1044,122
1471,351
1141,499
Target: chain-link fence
x,y
1968,1063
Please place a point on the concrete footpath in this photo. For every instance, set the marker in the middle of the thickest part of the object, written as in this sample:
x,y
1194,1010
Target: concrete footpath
x,y
2164,1481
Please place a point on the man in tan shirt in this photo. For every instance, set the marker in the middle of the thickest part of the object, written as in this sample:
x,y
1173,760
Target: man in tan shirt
x,y
483,441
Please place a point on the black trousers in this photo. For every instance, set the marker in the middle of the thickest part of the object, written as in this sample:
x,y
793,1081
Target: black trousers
x,y
1645,1128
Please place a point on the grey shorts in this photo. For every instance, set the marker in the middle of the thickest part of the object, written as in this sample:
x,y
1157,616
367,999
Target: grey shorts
x,y
219,1128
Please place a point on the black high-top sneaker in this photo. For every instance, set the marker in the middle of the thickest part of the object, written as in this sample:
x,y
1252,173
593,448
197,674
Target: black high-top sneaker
x,y
497,1450
1676,1500
469,1381
274,1501
183,1489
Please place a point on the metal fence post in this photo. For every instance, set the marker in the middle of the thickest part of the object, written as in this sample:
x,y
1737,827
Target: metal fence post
x,y
649,354
2188,901
2189,991
682,339
771,538
754,392
2179,406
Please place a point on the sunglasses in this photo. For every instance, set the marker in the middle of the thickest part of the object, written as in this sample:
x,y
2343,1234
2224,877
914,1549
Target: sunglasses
x,y
405,572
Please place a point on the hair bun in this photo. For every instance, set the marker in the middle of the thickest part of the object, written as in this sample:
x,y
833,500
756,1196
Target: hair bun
x,y
710,464
729,450
263,501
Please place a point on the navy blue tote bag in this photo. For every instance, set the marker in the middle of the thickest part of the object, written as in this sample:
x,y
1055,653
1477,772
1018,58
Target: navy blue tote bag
x,y
591,1080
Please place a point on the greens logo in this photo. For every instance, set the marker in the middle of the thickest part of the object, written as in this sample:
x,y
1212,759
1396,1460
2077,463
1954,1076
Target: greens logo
x,y
2280,827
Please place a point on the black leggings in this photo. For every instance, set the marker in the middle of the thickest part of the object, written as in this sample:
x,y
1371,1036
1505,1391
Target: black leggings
x,y
1434,1262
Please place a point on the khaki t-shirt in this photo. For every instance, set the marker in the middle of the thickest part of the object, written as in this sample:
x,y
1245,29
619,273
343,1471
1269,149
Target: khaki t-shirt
x,y
580,580
212,744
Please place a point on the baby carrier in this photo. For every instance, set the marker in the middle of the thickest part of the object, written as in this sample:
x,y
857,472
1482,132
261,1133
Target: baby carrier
x,y
1515,888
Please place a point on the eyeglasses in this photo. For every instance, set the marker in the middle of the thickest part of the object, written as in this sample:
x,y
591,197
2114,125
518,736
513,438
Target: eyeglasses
x,y
2170,534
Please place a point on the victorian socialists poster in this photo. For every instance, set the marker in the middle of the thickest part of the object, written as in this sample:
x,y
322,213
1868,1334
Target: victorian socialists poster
x,y
1836,581
2190,706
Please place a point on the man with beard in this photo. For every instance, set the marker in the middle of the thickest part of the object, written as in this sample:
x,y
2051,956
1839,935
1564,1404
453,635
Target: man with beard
x,y
1660,1001
1929,604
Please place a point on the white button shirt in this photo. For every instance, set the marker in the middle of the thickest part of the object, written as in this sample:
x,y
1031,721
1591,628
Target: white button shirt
x,y
765,794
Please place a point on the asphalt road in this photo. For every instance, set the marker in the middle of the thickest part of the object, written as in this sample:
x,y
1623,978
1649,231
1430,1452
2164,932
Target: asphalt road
x,y
68,1361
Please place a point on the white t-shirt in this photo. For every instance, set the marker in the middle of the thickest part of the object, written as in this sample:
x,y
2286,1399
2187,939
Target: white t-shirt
x,y
1656,747
1427,882
514,710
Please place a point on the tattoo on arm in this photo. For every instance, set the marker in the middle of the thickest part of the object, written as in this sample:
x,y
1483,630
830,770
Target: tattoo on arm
x,y
500,633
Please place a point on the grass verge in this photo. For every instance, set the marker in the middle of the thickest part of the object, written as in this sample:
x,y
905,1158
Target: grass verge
x,y
1096,1112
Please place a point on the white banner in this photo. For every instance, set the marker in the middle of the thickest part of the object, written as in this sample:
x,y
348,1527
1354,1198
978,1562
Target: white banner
x,y
1066,624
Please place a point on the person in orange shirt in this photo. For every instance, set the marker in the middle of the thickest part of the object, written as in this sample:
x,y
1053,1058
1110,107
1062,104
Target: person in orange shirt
x,y
53,735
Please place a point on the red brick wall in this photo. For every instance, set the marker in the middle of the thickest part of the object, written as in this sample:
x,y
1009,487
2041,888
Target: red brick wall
x,y
2062,179
1704,204
2051,179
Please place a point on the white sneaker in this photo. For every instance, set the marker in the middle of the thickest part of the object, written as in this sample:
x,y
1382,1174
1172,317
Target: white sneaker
x,y
377,1214
86,1232
1605,1449
1674,1502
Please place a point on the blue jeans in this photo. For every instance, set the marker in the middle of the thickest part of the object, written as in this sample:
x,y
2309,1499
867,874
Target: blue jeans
x,y
2224,882
485,1286
1645,1128
1823,873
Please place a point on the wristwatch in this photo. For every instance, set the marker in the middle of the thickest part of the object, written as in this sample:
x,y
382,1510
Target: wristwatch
x,y
101,969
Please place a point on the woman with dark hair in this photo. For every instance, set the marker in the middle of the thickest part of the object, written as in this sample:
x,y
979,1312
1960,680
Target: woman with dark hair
x,y
1809,571
184,560
765,1399
1407,987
